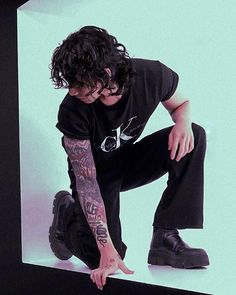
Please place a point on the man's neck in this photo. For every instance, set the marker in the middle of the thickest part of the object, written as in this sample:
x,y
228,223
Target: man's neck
x,y
110,100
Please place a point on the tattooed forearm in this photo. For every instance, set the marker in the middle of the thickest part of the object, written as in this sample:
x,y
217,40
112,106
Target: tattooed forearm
x,y
96,217
80,155
91,208
100,231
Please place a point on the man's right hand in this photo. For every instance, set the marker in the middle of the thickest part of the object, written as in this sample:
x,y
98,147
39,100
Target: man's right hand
x,y
110,261
90,198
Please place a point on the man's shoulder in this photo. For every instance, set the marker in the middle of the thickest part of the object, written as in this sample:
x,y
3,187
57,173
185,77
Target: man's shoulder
x,y
142,64
71,102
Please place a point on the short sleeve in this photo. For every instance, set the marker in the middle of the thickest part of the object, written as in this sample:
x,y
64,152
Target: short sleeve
x,y
73,122
169,83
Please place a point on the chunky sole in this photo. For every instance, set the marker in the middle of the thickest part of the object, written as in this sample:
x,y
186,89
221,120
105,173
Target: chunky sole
x,y
157,257
56,241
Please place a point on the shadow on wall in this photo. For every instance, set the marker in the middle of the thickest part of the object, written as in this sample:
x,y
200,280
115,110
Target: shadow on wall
x,y
42,175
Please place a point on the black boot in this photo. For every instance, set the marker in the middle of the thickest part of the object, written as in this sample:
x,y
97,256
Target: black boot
x,y
167,248
63,207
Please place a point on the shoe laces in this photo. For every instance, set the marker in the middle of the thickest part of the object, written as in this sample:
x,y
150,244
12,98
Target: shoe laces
x,y
175,241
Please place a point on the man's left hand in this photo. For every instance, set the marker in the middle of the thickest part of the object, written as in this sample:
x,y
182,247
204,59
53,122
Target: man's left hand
x,y
181,138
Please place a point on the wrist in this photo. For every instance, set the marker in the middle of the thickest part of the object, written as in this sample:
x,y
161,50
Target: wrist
x,y
182,115
184,120
107,247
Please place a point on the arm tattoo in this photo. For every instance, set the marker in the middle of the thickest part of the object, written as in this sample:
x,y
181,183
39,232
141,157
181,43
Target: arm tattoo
x,y
81,158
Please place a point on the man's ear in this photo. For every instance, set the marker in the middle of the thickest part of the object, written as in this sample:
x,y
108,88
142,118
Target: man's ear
x,y
73,91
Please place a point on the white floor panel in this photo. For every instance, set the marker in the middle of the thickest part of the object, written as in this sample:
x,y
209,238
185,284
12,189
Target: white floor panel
x,y
206,280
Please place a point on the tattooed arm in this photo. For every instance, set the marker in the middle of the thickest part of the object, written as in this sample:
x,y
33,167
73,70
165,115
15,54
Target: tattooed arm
x,y
81,157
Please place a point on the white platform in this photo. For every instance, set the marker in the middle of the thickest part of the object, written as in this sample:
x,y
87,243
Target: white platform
x,y
218,278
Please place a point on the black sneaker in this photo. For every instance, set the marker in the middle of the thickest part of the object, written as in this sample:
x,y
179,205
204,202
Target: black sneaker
x,y
167,248
63,205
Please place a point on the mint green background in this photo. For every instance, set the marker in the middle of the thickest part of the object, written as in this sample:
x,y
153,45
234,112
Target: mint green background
x,y
196,39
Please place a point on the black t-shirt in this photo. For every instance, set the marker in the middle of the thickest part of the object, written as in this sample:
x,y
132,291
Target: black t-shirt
x,y
112,127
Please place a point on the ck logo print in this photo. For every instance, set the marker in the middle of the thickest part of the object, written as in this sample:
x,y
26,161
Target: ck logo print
x,y
111,143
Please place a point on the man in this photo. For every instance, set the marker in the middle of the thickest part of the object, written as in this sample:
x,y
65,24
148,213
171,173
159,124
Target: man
x,y
111,97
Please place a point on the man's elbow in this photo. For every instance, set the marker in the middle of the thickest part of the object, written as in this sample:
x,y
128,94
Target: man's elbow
x,y
171,111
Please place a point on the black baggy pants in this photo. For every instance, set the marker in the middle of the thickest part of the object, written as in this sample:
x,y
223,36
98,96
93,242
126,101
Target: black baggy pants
x,y
181,204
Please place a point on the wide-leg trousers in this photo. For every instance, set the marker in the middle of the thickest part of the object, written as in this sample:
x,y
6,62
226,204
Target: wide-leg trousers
x,y
180,206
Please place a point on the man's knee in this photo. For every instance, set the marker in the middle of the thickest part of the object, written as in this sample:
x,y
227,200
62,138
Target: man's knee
x,y
199,138
199,132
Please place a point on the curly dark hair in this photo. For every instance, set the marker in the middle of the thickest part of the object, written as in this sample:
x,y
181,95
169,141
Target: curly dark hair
x,y
83,55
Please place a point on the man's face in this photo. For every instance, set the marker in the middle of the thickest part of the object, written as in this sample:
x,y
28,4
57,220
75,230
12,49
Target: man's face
x,y
82,92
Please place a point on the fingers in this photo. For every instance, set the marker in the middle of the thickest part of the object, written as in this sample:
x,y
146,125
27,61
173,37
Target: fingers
x,y
108,271
92,275
96,278
181,151
173,145
184,145
104,278
125,269
99,275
